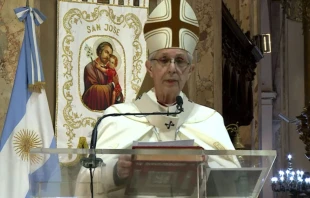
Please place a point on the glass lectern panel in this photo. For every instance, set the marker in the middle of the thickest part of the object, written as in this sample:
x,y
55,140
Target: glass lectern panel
x,y
153,173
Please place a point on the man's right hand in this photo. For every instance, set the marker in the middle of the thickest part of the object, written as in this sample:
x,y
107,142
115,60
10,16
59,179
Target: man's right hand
x,y
123,166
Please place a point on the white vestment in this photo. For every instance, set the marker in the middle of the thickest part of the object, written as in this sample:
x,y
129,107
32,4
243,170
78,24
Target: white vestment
x,y
202,124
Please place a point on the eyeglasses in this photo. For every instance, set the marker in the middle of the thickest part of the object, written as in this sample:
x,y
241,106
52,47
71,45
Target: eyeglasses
x,y
178,62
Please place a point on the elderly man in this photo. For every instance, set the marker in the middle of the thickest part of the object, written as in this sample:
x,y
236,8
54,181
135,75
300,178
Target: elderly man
x,y
169,64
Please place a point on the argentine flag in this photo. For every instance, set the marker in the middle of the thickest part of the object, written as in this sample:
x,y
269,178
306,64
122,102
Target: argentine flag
x,y
28,122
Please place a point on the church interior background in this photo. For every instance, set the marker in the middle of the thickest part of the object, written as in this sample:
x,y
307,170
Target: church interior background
x,y
268,86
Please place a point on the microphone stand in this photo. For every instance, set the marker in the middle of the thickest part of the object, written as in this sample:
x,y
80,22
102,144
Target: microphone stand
x,y
92,162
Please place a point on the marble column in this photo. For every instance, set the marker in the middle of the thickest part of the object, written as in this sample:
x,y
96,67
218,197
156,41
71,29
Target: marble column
x,y
267,135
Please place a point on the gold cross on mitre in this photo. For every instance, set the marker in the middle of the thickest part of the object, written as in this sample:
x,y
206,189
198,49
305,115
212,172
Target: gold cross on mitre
x,y
172,24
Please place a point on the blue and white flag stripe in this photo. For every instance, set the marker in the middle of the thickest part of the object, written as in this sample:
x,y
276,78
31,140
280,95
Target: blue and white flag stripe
x,y
32,17
19,97
28,122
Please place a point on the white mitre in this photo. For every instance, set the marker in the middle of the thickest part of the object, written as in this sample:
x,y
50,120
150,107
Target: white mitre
x,y
172,24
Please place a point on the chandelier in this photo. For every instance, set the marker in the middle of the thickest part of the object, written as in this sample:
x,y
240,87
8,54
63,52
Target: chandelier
x,y
296,182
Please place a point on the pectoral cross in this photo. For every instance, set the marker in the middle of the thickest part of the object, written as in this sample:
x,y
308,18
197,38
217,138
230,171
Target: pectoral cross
x,y
168,125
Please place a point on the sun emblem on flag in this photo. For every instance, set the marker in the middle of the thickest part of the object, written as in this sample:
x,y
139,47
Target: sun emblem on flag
x,y
25,140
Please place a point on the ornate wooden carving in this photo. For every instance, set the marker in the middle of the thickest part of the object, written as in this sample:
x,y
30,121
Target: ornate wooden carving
x,y
303,128
239,62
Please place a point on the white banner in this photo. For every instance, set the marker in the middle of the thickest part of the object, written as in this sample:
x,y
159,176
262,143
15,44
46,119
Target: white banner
x,y
101,55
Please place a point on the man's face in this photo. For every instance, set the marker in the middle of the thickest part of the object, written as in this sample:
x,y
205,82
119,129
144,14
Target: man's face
x,y
105,54
112,63
169,78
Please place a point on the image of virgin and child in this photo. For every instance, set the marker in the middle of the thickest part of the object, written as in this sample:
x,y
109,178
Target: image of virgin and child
x,y
101,81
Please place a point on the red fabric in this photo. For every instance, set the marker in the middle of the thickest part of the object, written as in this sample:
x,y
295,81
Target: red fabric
x,y
110,73
113,77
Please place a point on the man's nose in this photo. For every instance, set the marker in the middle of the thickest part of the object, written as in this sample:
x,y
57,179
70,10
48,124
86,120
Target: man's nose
x,y
172,66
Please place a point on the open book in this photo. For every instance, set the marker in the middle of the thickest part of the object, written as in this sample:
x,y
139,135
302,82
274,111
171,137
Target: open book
x,y
164,175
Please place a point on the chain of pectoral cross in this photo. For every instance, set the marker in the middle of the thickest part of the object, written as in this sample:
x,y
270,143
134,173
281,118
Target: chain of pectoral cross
x,y
155,130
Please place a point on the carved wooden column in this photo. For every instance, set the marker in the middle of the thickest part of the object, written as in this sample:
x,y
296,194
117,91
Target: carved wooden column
x,y
246,14
240,56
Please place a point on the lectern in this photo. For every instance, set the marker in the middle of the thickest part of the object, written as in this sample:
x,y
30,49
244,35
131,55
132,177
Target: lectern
x,y
169,173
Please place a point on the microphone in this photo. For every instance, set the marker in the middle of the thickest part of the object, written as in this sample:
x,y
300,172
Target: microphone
x,y
179,101
92,161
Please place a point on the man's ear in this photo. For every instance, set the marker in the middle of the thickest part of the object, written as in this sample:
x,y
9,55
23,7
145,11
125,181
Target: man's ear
x,y
192,68
148,66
